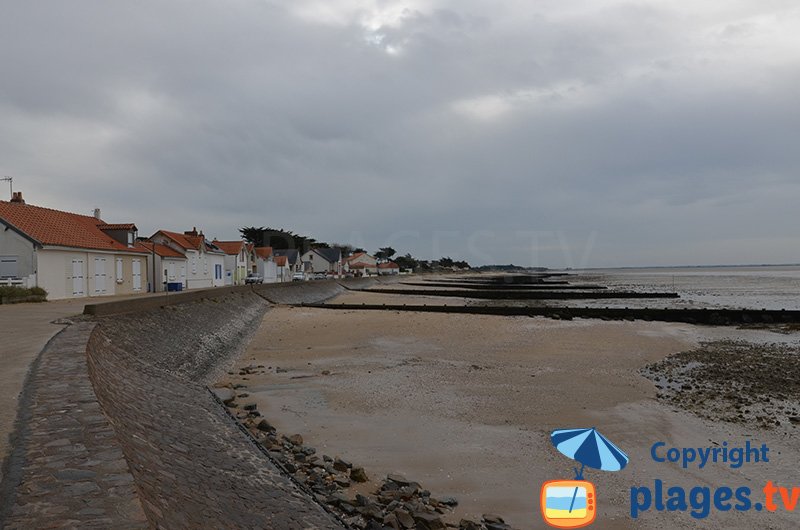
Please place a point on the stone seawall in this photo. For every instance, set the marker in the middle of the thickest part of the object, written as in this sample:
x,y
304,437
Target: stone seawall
x,y
193,466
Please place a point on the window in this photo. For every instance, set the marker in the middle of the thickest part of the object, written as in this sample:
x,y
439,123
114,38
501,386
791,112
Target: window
x,y
119,270
217,272
130,239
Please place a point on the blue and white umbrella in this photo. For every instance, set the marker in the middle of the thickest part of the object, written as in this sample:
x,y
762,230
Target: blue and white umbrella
x,y
590,448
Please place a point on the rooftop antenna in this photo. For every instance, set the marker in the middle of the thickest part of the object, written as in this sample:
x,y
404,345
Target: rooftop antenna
x,y
10,181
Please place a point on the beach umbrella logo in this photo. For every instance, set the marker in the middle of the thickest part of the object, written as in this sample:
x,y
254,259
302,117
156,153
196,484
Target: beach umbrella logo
x,y
573,503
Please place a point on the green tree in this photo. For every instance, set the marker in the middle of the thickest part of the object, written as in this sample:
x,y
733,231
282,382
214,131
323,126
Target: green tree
x,y
385,253
406,262
278,238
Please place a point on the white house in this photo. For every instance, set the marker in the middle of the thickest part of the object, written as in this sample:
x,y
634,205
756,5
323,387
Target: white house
x,y
236,261
327,260
292,256
361,264
67,254
205,262
388,268
265,264
166,265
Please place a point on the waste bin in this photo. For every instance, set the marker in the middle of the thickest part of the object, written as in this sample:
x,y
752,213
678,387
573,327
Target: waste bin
x,y
174,286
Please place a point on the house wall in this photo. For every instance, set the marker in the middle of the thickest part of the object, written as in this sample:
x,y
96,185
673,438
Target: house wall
x,y
268,270
125,284
175,267
214,260
235,269
12,244
318,263
231,262
56,273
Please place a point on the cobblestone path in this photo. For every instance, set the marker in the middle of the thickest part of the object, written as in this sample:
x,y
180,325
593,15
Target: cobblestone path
x,y
67,469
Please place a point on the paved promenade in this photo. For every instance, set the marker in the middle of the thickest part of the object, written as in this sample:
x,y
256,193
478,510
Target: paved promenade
x,y
24,331
67,463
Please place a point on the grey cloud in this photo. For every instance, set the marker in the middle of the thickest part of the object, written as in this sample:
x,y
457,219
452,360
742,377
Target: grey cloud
x,y
651,131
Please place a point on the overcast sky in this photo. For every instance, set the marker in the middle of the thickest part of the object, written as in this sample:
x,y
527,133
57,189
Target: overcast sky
x,y
556,133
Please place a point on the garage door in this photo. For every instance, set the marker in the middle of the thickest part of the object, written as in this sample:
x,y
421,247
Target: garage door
x,y
8,267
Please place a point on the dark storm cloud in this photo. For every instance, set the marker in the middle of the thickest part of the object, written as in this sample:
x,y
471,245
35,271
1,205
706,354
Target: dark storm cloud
x,y
581,133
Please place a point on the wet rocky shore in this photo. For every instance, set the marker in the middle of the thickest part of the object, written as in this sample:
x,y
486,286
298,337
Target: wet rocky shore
x,y
397,503
735,381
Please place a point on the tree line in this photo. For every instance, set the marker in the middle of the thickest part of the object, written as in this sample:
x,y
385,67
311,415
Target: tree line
x,y
281,239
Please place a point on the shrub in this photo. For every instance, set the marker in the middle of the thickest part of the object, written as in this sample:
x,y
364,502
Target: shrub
x,y
12,294
38,291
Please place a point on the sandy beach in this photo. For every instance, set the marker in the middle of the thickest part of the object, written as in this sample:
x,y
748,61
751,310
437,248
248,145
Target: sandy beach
x,y
464,404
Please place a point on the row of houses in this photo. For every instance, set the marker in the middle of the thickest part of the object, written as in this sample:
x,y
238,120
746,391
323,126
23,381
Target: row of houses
x,y
72,255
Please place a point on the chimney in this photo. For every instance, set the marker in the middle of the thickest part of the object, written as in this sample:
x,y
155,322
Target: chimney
x,y
192,232
17,197
97,213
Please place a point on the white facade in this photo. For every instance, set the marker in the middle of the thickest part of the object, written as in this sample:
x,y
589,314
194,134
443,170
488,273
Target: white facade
x,y
203,269
74,273
315,262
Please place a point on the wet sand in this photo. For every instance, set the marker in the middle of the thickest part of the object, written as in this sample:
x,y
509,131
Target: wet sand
x,y
464,404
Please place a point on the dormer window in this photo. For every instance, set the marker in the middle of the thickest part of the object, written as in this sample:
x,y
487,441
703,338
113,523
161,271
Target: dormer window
x,y
131,237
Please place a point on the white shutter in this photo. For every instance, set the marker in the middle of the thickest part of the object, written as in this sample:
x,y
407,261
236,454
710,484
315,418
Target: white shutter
x,y
119,270
137,275
171,271
99,275
77,277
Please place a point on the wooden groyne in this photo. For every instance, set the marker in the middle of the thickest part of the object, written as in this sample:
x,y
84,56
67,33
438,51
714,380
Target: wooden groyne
x,y
714,317
522,295
508,287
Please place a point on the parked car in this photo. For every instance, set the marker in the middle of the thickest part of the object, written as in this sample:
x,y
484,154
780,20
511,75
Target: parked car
x,y
320,276
298,277
254,278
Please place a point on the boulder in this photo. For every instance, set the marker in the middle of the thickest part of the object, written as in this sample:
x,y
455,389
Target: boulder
x,y
264,425
358,474
404,518
226,395
428,521
400,480
341,465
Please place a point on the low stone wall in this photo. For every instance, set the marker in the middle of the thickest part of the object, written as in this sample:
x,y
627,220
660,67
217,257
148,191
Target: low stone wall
x,y
300,292
308,292
193,466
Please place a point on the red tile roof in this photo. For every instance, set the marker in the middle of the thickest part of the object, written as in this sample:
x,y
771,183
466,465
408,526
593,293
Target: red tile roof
x,y
355,256
57,228
264,252
280,261
118,226
189,242
390,265
231,248
162,250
